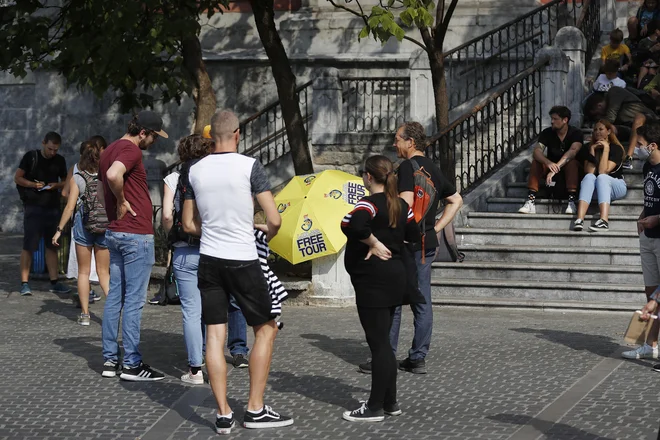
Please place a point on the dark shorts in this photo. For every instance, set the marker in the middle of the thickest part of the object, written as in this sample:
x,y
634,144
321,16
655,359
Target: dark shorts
x,y
38,222
218,278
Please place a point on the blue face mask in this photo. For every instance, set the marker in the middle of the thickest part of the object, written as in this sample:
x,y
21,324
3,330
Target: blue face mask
x,y
642,152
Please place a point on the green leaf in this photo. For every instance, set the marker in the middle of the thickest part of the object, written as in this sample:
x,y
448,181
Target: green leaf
x,y
364,33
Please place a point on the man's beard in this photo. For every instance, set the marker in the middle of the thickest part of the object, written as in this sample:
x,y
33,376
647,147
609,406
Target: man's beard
x,y
143,145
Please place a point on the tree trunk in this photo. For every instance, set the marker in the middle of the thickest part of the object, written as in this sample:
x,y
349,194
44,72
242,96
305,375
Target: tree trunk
x,y
203,93
447,153
286,85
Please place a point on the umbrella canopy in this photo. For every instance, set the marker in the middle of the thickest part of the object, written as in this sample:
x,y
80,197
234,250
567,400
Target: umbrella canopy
x,y
312,207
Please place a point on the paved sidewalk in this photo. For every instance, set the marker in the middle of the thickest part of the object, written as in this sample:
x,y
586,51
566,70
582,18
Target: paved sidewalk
x,y
493,374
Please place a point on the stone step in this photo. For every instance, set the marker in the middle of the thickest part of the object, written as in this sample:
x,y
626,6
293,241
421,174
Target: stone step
x,y
543,237
542,272
543,206
519,190
552,254
544,304
632,177
534,290
562,222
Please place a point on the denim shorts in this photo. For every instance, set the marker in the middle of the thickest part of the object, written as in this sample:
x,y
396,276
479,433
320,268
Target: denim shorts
x,y
85,238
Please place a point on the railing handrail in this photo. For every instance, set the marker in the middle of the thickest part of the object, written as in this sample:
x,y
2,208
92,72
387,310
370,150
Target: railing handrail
x,y
487,100
506,25
271,106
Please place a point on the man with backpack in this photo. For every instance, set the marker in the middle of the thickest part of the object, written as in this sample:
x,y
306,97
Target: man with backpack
x,y
422,185
39,178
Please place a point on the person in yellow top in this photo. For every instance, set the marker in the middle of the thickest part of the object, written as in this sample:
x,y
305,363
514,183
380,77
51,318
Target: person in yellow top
x,y
616,50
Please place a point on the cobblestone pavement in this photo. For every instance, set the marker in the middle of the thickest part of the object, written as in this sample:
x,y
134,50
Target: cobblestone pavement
x,y
493,374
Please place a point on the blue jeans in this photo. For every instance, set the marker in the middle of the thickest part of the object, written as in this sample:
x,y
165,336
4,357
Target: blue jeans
x,y
131,260
185,264
237,332
607,187
423,313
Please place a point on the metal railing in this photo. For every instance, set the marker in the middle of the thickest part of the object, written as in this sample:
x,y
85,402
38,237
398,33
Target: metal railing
x,y
493,132
374,105
496,56
589,24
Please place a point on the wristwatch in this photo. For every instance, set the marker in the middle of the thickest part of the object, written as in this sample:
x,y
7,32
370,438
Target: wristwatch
x,y
59,229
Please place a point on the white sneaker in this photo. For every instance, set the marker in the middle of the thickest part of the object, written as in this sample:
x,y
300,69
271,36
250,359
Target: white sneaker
x,y
571,208
643,352
528,208
193,379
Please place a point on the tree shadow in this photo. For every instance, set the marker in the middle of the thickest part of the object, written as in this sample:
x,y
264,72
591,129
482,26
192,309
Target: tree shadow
x,y
550,430
320,388
597,344
352,351
69,312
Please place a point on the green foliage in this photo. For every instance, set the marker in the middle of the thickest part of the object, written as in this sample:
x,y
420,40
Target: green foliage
x,y
130,47
383,21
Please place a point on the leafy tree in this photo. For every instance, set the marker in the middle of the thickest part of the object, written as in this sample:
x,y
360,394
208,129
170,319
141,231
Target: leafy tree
x,y
145,50
384,21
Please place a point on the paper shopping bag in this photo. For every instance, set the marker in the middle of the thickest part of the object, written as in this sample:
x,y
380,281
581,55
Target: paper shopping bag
x,y
638,329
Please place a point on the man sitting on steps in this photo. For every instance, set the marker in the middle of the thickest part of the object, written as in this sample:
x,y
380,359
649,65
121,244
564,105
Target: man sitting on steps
x,y
562,142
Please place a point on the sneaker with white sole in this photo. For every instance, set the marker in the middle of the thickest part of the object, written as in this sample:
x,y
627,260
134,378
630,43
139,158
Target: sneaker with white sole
x,y
578,225
570,208
643,352
110,369
266,418
25,289
141,373
223,424
83,319
364,414
392,410
528,208
193,379
627,163
600,226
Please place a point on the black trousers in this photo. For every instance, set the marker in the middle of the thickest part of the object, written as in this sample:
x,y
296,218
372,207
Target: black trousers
x,y
376,323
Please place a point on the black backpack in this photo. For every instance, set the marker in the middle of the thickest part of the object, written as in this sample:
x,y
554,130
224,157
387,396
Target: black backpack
x,y
23,191
177,233
169,289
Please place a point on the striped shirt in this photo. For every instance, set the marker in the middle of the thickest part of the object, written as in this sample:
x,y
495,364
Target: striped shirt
x,y
275,288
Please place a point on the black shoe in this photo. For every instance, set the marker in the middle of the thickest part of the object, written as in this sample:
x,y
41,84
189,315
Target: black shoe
x,y
392,410
365,367
600,226
141,373
267,418
156,299
240,361
417,367
223,425
578,225
364,414
627,163
656,368
110,369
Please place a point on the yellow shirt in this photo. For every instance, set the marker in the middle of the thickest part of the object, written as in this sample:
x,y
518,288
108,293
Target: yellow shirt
x,y
608,53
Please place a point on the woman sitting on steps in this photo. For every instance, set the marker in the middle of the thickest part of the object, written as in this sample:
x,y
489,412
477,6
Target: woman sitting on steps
x,y
603,173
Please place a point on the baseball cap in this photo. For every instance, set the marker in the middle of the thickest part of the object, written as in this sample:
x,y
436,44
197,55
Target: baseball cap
x,y
206,134
151,121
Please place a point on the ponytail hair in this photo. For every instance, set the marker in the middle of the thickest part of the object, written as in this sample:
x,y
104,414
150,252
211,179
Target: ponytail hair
x,y
382,171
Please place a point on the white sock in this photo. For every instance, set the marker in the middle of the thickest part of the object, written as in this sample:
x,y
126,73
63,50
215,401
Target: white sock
x,y
228,416
257,411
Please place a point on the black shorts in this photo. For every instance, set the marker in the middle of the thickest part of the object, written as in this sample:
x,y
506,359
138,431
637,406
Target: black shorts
x,y
39,221
218,278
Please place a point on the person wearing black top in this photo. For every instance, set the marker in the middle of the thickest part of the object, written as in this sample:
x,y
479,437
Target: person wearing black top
x,y
648,227
39,178
602,166
376,230
562,142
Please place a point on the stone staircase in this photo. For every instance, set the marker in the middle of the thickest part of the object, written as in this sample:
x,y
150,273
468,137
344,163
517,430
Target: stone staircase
x,y
537,260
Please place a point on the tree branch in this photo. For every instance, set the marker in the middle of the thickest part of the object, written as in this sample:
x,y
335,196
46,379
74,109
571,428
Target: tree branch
x,y
417,42
347,9
440,36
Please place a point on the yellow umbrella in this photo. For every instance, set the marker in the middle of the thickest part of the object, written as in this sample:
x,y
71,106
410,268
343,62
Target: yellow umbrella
x,y
312,207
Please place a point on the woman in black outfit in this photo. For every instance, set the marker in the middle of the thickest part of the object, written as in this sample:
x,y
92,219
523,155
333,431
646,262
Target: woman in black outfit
x,y
376,230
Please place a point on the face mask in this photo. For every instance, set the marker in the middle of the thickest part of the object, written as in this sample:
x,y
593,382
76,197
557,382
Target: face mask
x,y
642,153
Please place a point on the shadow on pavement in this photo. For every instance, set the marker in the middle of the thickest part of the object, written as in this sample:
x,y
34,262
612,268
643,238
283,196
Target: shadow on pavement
x,y
67,310
320,388
597,344
352,351
550,430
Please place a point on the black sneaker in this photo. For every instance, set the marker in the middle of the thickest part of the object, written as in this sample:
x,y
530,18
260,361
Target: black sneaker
x,y
364,414
656,368
417,367
141,373
392,410
627,163
224,424
267,418
365,367
600,226
155,300
240,361
110,369
578,225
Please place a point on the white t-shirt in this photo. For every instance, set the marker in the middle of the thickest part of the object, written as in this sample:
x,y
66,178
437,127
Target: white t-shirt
x,y
172,180
223,185
603,83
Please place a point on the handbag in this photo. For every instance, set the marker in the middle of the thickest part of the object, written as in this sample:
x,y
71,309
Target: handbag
x,y
169,289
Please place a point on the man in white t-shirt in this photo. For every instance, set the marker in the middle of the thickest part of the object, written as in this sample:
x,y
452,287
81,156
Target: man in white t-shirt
x,y
218,206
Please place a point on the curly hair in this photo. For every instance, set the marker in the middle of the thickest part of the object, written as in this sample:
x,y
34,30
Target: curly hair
x,y
415,131
194,147
90,155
